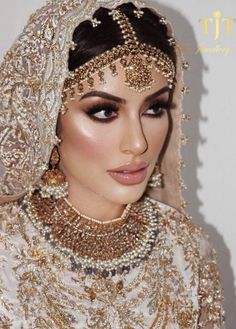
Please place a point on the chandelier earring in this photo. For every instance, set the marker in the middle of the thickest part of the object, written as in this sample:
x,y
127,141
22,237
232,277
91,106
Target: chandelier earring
x,y
54,184
156,179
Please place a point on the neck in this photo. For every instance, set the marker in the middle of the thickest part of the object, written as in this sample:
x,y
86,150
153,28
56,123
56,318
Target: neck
x,y
94,205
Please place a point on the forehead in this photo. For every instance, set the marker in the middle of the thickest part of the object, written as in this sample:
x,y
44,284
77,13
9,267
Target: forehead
x,y
122,84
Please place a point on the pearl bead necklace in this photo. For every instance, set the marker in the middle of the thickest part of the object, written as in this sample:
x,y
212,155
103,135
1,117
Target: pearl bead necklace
x,y
89,244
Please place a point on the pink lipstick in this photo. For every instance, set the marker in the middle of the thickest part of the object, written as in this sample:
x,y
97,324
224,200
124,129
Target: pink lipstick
x,y
130,174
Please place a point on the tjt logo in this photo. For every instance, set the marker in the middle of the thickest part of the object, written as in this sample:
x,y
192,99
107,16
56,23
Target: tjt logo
x,y
217,24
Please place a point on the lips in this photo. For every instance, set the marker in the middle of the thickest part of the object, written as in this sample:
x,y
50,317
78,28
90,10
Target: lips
x,y
132,167
133,173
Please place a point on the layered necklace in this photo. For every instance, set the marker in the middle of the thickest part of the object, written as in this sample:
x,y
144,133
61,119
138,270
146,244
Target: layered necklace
x,y
97,247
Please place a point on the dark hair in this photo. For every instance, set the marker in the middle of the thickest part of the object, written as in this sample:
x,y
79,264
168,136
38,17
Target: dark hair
x,y
92,41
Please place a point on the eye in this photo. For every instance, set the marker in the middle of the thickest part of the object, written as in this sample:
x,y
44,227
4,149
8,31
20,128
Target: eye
x,y
103,113
157,109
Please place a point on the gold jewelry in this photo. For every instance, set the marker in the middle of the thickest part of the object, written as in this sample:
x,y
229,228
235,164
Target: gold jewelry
x,y
95,247
156,179
73,45
101,222
185,65
95,22
138,13
185,90
54,182
136,58
163,20
172,41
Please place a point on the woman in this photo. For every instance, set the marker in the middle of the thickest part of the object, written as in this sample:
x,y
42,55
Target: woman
x,y
93,234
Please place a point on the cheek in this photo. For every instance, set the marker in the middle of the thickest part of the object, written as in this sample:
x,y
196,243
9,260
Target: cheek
x,y
157,133
82,139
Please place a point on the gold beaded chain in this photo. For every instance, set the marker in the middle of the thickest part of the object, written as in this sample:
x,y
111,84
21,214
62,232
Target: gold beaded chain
x,y
124,215
137,60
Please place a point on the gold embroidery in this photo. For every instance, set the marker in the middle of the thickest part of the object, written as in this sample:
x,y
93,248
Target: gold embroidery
x,y
210,293
157,293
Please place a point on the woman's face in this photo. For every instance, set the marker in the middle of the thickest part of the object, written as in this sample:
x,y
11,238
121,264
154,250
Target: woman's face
x,y
110,127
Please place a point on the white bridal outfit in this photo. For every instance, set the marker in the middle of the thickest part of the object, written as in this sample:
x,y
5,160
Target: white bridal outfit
x,y
176,287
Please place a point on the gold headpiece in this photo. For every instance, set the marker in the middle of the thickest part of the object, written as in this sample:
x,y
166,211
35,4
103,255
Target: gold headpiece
x,y
32,77
136,58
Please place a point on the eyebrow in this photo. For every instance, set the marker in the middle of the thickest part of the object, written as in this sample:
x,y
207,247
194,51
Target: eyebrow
x,y
102,94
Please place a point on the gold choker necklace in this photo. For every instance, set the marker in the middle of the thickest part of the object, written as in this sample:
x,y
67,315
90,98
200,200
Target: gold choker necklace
x,y
97,248
124,215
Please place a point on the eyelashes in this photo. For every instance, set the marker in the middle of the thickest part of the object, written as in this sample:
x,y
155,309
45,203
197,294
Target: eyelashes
x,y
103,112
157,109
106,113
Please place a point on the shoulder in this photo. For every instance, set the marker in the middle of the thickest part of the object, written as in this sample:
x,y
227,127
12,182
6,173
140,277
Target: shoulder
x,y
178,223
184,232
193,253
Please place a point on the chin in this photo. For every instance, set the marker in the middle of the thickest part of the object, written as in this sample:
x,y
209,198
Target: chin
x,y
129,195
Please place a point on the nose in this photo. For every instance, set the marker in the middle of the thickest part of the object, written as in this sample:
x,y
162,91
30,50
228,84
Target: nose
x,y
133,138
